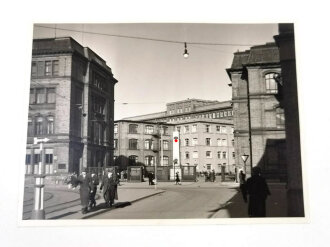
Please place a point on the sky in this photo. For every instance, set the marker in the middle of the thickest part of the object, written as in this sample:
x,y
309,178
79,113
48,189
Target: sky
x,y
152,73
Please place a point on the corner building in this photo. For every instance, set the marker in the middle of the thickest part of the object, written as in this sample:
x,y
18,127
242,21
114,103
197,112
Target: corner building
x,y
72,104
254,75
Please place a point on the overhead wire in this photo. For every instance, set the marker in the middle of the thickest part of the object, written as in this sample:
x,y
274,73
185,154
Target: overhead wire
x,y
144,38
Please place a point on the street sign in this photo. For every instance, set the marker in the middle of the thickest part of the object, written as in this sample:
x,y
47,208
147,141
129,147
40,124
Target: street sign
x,y
176,147
36,140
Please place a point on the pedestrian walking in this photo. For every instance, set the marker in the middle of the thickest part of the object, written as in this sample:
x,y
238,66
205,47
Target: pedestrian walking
x,y
242,184
94,182
213,175
150,177
108,186
117,183
177,179
83,181
257,191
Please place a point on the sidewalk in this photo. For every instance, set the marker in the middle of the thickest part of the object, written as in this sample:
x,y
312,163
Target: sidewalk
x,y
126,197
276,204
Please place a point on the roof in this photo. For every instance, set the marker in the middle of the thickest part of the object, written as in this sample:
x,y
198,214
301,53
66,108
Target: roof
x,y
260,54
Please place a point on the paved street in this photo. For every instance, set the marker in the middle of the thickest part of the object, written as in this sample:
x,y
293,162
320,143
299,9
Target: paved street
x,y
166,201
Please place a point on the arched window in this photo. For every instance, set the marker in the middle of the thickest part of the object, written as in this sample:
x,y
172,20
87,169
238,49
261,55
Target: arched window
x,y
271,84
39,126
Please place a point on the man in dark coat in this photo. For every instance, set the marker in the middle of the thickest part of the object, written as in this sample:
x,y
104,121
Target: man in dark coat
x,y
84,181
108,183
257,190
242,184
150,177
94,182
177,179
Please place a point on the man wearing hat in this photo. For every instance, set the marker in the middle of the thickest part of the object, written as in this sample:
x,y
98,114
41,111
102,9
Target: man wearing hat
x,y
84,181
108,183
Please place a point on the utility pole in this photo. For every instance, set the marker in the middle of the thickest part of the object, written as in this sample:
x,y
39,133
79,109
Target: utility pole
x,y
38,212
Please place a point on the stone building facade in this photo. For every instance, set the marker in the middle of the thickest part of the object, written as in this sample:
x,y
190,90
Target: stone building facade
x,y
72,104
259,120
206,135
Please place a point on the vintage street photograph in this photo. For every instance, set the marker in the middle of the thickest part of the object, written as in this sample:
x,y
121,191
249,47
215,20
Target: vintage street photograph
x,y
168,121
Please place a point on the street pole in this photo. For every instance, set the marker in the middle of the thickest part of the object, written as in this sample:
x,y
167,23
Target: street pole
x,y
249,118
38,212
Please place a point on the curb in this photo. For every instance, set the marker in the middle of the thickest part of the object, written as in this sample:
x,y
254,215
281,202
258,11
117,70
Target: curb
x,y
110,209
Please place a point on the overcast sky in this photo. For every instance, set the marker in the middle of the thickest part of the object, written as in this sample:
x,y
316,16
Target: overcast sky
x,y
151,73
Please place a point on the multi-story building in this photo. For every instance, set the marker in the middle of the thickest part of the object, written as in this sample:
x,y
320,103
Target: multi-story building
x,y
72,104
259,121
206,135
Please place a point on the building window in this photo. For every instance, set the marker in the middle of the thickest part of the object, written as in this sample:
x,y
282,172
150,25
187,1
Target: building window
x,y
49,158
165,160
55,67
178,128
149,129
218,128
164,130
39,126
207,128
230,113
208,154
115,143
208,166
133,144
36,159
149,161
221,114
195,142
40,95
148,144
115,128
219,142
34,69
187,155
165,145
194,128
208,141
48,68
280,118
27,159
225,114
50,95
233,155
186,129
271,85
232,130
233,142
133,160
50,125
223,129
219,154
186,142
195,154
224,155
224,142
132,129
30,127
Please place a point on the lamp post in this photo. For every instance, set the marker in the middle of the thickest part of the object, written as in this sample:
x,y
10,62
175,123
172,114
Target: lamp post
x,y
244,158
38,212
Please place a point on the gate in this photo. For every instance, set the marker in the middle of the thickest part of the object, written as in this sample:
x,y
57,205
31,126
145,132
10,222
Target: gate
x,y
188,173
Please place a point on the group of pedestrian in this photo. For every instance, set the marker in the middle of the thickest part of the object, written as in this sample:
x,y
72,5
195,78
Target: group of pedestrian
x,y
210,176
88,187
254,191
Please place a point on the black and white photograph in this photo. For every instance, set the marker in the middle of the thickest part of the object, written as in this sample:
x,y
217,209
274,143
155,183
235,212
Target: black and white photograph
x,y
163,121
